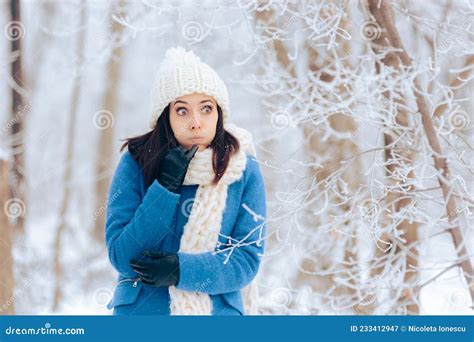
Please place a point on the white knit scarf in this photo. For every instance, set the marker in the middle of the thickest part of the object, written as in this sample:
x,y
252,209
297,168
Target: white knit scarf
x,y
202,230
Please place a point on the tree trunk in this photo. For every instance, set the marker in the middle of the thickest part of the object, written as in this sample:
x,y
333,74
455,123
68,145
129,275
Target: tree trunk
x,y
6,267
397,156
314,262
106,143
16,172
383,15
63,219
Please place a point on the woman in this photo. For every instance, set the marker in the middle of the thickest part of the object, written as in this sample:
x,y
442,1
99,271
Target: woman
x,y
186,210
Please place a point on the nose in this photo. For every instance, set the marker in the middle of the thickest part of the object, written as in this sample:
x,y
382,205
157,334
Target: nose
x,y
195,122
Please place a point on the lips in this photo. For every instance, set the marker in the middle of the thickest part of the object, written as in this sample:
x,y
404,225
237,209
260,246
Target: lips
x,y
196,138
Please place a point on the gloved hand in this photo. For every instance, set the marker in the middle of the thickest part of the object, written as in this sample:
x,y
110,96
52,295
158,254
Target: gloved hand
x,y
174,167
159,269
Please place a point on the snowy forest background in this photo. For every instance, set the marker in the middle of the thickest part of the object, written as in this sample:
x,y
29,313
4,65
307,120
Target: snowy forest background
x,y
361,113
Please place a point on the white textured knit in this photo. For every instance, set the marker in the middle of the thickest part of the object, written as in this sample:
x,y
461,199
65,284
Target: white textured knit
x,y
202,230
182,73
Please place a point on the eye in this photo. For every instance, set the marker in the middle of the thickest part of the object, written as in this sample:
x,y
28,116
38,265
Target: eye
x,y
207,109
181,111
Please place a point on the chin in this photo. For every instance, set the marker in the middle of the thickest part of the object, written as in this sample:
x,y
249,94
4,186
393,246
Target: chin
x,y
202,147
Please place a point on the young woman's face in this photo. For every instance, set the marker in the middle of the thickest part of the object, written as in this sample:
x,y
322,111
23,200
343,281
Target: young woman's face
x,y
193,119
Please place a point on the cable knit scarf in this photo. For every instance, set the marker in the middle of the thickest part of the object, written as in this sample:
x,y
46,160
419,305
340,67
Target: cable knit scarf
x,y
202,230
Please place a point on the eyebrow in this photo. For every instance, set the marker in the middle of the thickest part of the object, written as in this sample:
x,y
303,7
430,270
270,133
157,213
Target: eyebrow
x,y
208,100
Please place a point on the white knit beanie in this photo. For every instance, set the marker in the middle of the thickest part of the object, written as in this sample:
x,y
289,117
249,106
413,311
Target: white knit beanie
x,y
181,73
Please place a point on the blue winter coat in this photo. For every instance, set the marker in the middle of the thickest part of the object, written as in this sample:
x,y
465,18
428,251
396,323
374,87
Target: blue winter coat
x,y
140,218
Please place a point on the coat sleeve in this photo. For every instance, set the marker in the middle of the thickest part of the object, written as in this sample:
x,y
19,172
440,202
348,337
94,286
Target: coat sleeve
x,y
134,224
216,273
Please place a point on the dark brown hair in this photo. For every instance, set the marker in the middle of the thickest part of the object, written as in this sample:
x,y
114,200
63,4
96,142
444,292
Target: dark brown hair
x,y
149,149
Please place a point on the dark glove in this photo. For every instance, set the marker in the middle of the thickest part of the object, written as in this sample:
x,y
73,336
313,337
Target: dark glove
x,y
158,269
174,167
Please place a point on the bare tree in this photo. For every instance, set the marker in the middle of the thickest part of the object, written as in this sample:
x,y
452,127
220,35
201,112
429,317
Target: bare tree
x,y
18,110
315,78
107,114
383,15
323,66
6,258
398,155
67,176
